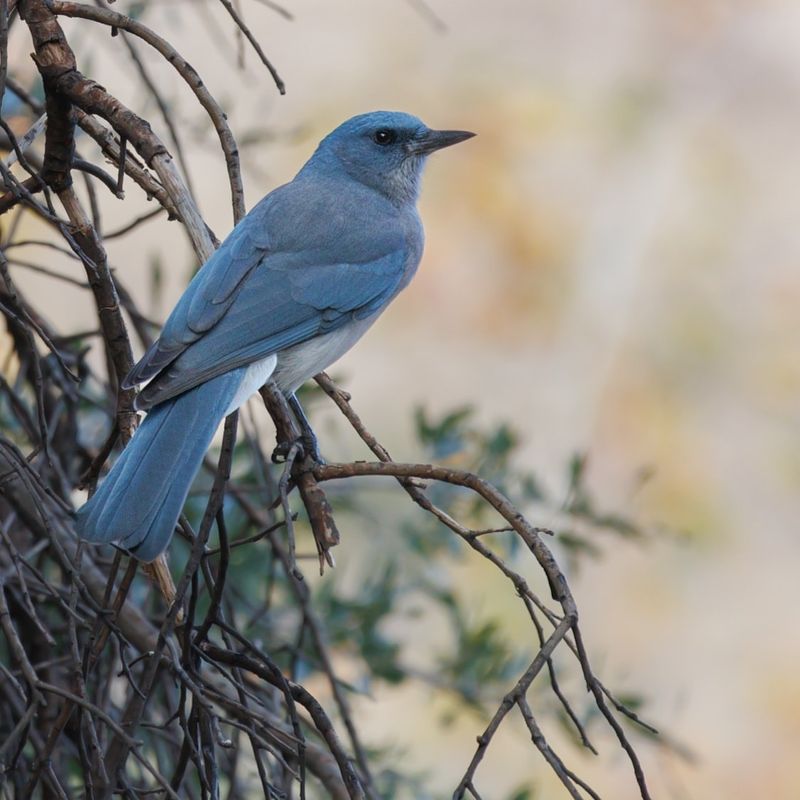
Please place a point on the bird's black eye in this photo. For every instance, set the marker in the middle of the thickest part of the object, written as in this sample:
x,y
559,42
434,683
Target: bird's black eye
x,y
384,136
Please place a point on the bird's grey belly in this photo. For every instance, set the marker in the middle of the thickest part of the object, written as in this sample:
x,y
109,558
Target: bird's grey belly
x,y
299,363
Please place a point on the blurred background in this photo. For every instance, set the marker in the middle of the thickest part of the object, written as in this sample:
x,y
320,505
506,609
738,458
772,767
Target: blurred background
x,y
611,269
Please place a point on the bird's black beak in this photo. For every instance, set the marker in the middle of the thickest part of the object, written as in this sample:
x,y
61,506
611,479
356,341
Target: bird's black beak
x,y
428,141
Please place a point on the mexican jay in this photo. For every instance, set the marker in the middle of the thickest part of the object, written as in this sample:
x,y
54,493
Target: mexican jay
x,y
296,283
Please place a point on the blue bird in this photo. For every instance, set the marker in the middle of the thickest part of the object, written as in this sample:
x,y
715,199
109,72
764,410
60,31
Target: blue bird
x,y
294,286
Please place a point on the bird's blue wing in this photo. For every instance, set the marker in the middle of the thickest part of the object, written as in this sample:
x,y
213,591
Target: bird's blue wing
x,y
206,299
279,305
267,289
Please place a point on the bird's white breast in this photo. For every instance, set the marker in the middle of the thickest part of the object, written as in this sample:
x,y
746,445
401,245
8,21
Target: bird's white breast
x,y
299,363
294,366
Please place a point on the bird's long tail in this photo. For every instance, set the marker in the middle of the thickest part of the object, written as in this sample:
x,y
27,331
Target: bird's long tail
x,y
139,502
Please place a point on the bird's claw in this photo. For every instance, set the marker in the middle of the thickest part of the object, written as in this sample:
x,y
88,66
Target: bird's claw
x,y
282,450
304,447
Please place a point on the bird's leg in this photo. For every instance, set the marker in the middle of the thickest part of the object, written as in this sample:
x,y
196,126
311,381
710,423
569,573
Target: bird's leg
x,y
307,439
307,436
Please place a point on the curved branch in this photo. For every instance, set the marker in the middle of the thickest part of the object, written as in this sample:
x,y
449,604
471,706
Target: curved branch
x,y
57,66
109,146
499,502
255,45
185,70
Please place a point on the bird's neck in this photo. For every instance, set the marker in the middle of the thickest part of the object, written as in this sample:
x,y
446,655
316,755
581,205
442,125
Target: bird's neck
x,y
400,186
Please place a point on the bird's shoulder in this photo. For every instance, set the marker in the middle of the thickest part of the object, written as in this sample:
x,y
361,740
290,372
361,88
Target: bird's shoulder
x,y
330,215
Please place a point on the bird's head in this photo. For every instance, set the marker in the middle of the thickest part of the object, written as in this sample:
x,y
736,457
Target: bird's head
x,y
386,150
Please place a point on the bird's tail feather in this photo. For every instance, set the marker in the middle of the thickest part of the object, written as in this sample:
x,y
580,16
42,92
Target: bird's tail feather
x,y
140,500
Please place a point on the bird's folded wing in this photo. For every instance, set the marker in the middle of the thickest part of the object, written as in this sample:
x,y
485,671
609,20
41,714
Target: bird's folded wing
x,y
309,256
206,300
285,299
